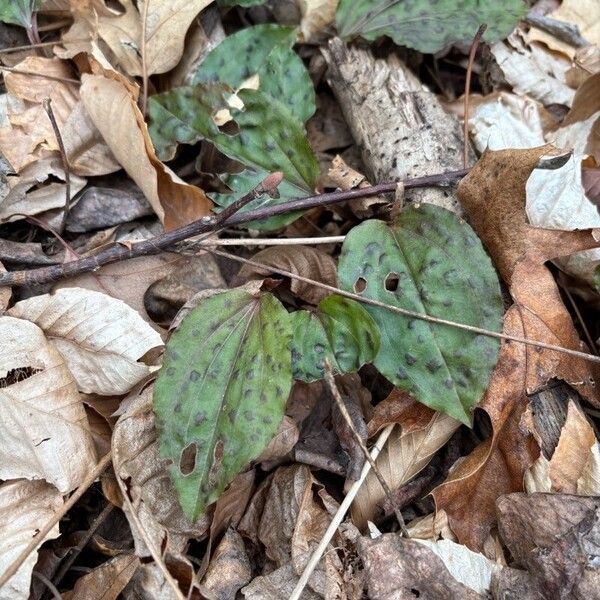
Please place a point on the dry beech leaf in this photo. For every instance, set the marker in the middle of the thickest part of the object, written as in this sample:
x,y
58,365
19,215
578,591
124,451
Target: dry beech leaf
x,y
493,195
111,103
497,466
108,580
25,507
277,585
317,17
282,443
300,260
44,432
433,526
401,569
136,459
166,25
229,569
573,464
38,188
5,293
101,338
406,453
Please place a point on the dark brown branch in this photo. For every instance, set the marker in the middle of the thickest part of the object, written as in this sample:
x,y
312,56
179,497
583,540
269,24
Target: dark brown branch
x,y
229,216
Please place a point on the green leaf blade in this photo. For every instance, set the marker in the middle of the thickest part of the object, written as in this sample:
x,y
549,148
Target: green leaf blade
x,y
428,262
221,391
18,12
427,26
340,330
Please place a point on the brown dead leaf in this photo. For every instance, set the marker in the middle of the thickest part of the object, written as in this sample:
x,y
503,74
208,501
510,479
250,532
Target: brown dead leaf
x,y
493,195
167,22
107,581
282,443
25,507
553,536
101,338
136,459
300,260
497,466
111,103
229,569
406,569
404,455
317,18
44,432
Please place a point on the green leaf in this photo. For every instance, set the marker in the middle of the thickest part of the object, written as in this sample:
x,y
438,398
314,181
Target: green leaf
x,y
266,51
268,136
427,26
221,392
430,262
18,12
597,278
242,183
340,330
240,2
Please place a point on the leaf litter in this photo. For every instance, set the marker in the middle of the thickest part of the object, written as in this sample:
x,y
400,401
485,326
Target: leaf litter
x,y
234,473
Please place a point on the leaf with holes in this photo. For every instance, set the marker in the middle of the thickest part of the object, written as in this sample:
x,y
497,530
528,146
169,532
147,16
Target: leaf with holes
x,y
18,12
430,262
263,52
340,330
221,392
427,26
242,183
263,134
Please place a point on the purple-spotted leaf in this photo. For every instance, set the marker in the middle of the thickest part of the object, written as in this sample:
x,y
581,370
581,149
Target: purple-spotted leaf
x,y
221,392
430,262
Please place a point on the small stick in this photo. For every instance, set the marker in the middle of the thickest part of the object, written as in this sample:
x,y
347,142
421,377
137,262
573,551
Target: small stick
x,y
331,239
144,103
472,53
209,224
330,380
408,313
40,536
339,516
40,45
65,162
42,75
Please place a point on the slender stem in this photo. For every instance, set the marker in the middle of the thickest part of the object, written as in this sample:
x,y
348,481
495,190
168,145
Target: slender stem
x,y
42,75
210,224
65,162
210,241
472,53
144,59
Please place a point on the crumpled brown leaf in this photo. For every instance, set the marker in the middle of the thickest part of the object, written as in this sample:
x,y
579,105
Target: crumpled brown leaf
x,y
300,260
111,103
497,466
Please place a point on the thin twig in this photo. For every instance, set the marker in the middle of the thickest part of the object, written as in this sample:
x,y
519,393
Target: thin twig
x,y
472,53
51,587
339,516
586,331
330,380
154,551
40,45
119,252
408,313
42,75
311,241
76,550
64,159
40,536
144,59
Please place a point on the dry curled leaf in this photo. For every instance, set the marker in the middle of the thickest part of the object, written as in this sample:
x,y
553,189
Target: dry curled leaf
x,y
44,433
300,260
101,338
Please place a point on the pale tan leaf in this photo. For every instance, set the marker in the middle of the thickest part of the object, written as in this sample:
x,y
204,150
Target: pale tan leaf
x,y
317,17
112,105
589,482
44,432
100,337
433,526
537,477
25,507
277,585
282,443
108,580
402,458
300,260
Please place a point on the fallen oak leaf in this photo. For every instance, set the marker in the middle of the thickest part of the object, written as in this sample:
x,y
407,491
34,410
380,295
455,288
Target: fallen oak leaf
x,y
111,102
497,466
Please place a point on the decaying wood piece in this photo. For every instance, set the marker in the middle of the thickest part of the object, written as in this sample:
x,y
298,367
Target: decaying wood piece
x,y
397,123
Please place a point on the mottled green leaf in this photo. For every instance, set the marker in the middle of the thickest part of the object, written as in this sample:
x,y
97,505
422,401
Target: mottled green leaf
x,y
266,51
242,183
430,262
427,26
268,137
340,330
18,12
221,392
